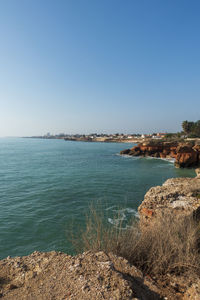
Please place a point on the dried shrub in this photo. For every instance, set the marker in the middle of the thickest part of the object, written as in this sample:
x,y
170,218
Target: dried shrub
x,y
169,245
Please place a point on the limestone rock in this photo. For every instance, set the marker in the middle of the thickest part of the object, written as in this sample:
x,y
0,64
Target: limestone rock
x,y
180,195
55,275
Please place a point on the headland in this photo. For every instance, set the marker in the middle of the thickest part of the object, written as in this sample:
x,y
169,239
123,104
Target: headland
x,y
185,153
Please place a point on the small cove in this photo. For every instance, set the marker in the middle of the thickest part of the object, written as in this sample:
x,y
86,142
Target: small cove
x,y
45,185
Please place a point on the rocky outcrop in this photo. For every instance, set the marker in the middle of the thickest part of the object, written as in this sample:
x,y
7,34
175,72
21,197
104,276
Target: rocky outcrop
x,y
185,155
89,275
177,200
55,275
176,195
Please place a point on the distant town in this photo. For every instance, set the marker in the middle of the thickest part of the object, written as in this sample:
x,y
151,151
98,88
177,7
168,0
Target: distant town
x,y
190,130
94,137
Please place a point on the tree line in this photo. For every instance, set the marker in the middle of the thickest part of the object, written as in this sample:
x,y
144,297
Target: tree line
x,y
191,129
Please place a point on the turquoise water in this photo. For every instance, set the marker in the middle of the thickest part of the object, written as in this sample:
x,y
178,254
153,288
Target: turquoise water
x,y
47,184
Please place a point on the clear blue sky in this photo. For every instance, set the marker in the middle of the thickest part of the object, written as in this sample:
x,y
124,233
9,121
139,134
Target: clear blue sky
x,y
80,66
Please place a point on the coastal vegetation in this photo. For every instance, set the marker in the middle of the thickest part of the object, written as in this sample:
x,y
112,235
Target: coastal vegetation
x,y
170,245
167,252
191,129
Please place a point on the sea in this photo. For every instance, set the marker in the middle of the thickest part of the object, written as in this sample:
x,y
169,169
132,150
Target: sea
x,y
48,185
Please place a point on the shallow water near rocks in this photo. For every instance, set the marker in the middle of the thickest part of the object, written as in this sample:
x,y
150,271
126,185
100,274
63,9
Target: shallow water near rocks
x,y
45,185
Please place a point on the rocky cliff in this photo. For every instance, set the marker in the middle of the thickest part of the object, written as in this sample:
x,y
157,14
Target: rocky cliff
x,y
184,154
55,275
176,196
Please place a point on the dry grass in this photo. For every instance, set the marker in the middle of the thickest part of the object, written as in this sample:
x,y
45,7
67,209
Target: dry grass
x,y
169,245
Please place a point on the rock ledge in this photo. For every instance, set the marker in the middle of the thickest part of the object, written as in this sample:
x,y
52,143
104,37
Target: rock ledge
x,y
89,275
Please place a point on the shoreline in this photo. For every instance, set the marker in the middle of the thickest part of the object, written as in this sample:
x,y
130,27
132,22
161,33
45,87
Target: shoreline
x,y
130,141
112,140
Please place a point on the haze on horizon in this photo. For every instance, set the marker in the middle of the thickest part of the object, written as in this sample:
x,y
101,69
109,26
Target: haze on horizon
x,y
98,66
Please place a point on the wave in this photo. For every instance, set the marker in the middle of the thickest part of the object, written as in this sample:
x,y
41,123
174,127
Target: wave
x,y
128,156
122,216
127,210
109,208
170,160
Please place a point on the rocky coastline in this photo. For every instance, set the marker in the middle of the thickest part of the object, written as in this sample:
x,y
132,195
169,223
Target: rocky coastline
x,y
185,155
177,196
55,275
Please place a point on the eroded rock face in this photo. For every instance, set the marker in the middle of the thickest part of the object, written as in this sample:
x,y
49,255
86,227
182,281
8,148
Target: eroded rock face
x,y
177,195
185,155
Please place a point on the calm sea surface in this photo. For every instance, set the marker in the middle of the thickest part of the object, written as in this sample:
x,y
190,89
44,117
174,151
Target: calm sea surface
x,y
45,185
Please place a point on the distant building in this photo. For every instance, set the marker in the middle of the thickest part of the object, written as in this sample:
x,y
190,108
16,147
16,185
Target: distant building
x,y
161,135
143,136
